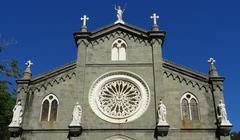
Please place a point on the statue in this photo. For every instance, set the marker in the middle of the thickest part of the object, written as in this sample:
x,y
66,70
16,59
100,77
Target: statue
x,y
119,14
162,112
76,115
17,115
222,114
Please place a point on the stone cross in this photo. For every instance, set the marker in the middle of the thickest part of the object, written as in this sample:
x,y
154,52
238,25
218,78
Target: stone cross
x,y
84,19
211,61
29,63
154,17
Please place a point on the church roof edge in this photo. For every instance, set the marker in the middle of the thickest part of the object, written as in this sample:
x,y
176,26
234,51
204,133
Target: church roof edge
x,y
111,27
54,72
185,71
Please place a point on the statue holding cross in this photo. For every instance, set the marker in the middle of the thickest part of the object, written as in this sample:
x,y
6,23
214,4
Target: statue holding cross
x,y
119,14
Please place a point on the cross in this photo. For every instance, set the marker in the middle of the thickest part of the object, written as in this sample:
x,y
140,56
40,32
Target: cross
x,y
154,17
29,63
84,19
211,61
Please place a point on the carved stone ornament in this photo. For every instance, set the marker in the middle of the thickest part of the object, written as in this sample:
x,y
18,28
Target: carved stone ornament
x,y
222,114
119,97
76,115
17,115
119,14
162,112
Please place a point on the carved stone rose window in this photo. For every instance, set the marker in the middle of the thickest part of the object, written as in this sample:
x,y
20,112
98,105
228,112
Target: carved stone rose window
x,y
119,97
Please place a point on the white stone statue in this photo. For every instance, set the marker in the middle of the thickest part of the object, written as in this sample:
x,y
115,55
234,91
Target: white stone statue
x,y
162,112
76,115
17,115
119,14
222,114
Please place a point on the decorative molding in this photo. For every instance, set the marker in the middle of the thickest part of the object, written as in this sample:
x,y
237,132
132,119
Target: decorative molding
x,y
84,42
187,81
156,41
101,88
119,137
114,35
52,81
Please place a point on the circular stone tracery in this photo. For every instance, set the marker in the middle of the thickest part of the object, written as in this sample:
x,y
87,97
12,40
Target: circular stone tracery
x,y
119,97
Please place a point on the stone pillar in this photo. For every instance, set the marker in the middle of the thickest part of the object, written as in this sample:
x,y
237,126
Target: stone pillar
x,y
82,41
22,93
156,40
82,44
216,83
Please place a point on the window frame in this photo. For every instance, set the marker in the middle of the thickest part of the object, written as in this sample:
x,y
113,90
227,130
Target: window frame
x,y
118,50
49,107
189,106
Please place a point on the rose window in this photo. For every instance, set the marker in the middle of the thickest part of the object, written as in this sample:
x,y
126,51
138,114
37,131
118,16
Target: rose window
x,y
119,98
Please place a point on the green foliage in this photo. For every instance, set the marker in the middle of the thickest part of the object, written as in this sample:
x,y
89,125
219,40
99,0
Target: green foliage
x,y
235,136
8,69
6,104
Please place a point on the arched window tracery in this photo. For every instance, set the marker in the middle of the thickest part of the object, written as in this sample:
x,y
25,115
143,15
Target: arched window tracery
x,y
189,107
119,50
49,108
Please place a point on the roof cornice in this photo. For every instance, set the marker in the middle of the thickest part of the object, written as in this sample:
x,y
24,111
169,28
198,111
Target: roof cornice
x,y
53,73
185,71
113,27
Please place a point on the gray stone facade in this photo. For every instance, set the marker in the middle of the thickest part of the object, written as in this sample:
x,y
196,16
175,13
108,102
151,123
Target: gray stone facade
x,y
166,81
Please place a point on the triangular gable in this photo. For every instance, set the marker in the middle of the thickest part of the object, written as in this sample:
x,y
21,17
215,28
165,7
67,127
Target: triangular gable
x,y
138,32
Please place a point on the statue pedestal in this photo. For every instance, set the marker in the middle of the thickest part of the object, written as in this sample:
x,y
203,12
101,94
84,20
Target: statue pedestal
x,y
161,130
74,131
224,129
155,27
15,131
83,29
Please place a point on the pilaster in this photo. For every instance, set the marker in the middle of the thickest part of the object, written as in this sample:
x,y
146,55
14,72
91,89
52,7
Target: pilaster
x,y
156,40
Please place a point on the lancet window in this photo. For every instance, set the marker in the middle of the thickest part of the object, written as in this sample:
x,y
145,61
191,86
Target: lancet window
x,y
119,50
49,108
189,107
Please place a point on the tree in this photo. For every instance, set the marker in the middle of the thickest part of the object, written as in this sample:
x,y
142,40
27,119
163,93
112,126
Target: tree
x,y
8,70
235,136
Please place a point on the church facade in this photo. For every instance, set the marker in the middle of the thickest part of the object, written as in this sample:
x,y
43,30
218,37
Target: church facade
x,y
120,88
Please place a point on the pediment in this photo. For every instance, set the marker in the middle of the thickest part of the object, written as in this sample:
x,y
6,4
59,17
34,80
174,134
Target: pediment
x,y
113,30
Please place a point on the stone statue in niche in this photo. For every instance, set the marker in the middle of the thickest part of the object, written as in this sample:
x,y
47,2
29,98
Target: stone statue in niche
x,y
17,115
162,112
76,115
222,114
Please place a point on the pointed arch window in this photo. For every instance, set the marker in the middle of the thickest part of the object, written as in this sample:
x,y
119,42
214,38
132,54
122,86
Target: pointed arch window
x,y
189,107
49,108
119,50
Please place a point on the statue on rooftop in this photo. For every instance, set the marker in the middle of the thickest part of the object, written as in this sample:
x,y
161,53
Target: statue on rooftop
x,y
119,14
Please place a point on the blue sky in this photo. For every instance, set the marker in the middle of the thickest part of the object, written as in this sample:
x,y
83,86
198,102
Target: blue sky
x,y
196,30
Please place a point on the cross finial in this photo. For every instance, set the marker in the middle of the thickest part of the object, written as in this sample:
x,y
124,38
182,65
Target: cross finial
x,y
84,19
29,63
211,61
154,17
